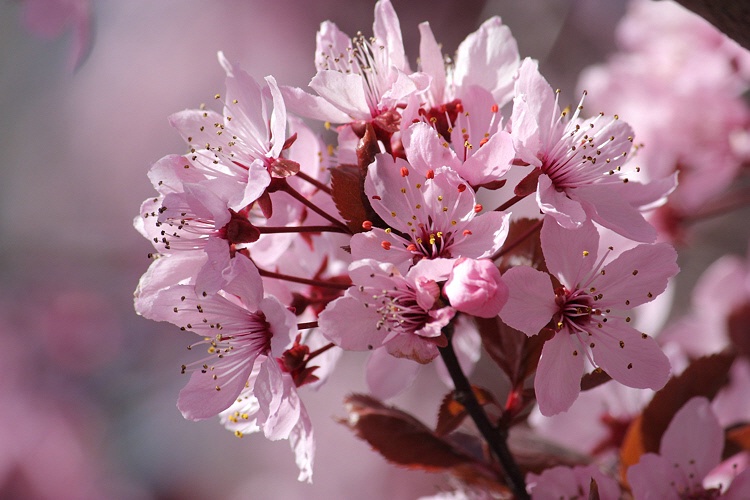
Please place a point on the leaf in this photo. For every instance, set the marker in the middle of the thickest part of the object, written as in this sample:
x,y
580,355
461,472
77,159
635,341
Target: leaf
x,y
737,440
703,377
403,440
367,148
452,412
737,328
348,195
524,244
593,490
594,379
514,352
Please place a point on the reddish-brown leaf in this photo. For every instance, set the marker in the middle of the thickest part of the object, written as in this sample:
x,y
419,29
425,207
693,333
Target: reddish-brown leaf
x,y
525,246
367,148
594,379
737,439
347,192
452,413
403,440
738,329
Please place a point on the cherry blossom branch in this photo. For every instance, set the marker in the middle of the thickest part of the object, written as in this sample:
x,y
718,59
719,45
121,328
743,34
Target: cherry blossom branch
x,y
510,203
738,199
314,182
496,438
294,194
507,248
300,229
303,281
307,325
320,351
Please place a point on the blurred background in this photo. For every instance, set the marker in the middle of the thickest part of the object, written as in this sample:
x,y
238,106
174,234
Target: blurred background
x,y
88,388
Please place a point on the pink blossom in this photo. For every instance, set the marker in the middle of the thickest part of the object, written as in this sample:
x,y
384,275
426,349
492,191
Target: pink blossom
x,y
690,448
487,59
437,213
240,328
359,79
242,149
475,287
582,163
589,312
571,482
384,308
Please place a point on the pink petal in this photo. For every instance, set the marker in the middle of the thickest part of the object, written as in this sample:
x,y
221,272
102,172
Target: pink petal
x,y
613,212
570,254
694,439
200,398
531,300
387,376
637,275
491,161
629,357
278,118
488,233
488,58
303,445
653,478
312,106
558,377
344,91
350,325
431,62
567,212
387,31
425,150
278,400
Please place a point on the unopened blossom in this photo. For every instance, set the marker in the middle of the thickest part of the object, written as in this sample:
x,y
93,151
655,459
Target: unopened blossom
x,y
359,79
402,313
690,449
241,149
582,170
589,312
437,215
571,483
476,287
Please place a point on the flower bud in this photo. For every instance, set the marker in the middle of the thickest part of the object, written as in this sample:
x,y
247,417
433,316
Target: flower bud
x,y
476,287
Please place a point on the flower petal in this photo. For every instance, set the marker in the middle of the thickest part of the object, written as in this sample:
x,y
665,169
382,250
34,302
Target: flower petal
x,y
531,300
558,377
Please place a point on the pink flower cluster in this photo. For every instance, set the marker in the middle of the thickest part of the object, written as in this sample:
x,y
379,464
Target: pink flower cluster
x,y
280,251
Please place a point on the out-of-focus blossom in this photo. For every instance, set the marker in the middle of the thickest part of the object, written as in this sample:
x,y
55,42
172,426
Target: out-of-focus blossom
x,y
690,448
672,63
50,18
570,483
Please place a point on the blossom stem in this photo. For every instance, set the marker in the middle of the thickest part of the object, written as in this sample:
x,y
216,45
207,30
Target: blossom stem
x,y
294,194
738,199
497,438
320,351
507,248
301,229
307,325
314,182
303,281
510,203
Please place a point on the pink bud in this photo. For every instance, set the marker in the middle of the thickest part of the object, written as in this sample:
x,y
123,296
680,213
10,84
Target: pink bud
x,y
476,287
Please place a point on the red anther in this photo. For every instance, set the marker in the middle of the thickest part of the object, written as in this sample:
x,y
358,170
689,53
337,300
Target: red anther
x,y
404,171
366,225
461,188
376,197
466,232
416,120
478,208
459,107
430,174
466,137
386,245
494,108
412,247
483,141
